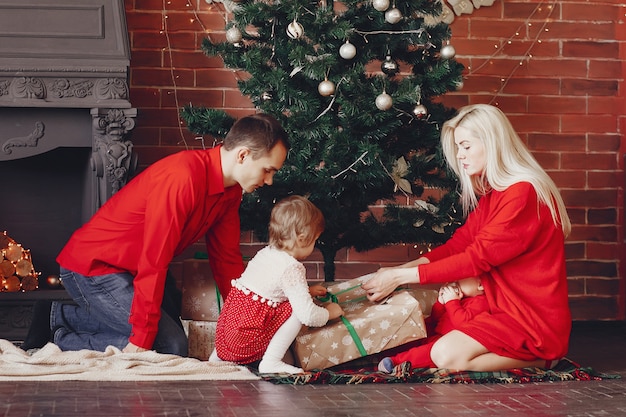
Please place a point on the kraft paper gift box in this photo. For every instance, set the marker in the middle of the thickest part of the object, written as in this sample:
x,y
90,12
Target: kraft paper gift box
x,y
201,339
367,328
201,299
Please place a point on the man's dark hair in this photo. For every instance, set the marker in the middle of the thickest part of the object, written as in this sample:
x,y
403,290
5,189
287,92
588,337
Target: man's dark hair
x,y
259,132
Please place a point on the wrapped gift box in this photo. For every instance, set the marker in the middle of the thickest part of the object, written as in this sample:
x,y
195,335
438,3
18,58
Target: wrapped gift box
x,y
367,328
201,339
201,299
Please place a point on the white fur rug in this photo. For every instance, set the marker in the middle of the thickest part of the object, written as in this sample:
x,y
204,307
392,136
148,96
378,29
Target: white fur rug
x,y
51,364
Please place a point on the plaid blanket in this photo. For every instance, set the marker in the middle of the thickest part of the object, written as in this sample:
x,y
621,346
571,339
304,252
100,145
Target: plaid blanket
x,y
565,370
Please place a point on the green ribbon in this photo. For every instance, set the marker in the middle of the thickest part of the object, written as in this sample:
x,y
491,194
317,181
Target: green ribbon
x,y
218,297
357,340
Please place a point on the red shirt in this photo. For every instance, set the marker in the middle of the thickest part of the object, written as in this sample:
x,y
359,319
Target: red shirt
x,y
512,244
152,219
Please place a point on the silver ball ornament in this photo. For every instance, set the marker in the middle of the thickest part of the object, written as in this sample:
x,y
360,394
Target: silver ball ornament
x,y
347,50
393,16
420,111
447,52
266,96
384,101
459,85
233,35
389,66
326,88
295,30
380,5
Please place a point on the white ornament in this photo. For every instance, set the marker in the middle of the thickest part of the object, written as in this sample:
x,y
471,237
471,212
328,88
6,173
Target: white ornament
x,y
233,35
393,16
326,88
384,101
380,5
347,50
295,30
447,52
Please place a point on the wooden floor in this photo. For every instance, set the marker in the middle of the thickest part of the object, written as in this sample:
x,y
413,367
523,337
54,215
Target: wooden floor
x,y
601,345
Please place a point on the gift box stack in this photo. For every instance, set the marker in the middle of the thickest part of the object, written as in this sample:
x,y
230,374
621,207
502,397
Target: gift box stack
x,y
366,328
201,306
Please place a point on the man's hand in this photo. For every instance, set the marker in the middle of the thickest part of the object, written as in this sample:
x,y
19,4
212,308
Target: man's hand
x,y
131,348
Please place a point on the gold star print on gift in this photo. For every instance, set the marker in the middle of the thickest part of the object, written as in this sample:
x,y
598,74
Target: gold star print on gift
x,y
16,266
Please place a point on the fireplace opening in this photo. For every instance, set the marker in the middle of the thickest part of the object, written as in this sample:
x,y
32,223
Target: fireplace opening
x,y
45,199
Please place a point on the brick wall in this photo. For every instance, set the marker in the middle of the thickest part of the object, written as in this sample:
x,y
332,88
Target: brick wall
x,y
554,67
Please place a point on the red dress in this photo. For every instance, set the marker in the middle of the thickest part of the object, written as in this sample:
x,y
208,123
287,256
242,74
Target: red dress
x,y
511,242
443,319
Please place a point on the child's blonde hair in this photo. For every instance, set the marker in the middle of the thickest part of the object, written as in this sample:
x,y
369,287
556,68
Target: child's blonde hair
x,y
508,161
293,216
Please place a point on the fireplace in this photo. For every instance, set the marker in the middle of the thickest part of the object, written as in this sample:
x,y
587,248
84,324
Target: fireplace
x,y
65,118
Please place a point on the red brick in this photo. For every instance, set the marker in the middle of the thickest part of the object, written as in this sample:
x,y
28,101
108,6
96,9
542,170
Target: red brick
x,y
594,123
590,198
599,69
602,250
593,308
602,287
593,233
605,179
557,142
589,11
590,49
197,97
557,104
569,179
602,216
589,161
574,250
216,78
587,87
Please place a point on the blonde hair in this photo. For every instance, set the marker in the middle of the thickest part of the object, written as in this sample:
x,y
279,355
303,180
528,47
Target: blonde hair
x,y
293,216
508,161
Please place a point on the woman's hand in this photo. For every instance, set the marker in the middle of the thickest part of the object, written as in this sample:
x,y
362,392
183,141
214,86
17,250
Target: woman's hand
x,y
334,310
317,290
131,348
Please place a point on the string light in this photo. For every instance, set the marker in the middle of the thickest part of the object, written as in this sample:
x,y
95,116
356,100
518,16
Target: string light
x,y
500,49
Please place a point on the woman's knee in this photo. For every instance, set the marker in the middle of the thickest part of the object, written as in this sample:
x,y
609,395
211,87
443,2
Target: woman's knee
x,y
455,350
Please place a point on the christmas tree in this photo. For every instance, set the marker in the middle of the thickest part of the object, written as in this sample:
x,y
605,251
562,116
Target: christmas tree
x,y
355,86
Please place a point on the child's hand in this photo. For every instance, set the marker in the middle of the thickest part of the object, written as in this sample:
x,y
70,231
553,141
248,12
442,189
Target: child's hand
x,y
449,292
317,290
334,310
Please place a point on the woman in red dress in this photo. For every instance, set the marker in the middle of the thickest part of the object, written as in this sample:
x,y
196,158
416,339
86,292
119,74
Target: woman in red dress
x,y
512,239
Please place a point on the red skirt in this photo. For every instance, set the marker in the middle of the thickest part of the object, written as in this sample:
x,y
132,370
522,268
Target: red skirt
x,y
246,326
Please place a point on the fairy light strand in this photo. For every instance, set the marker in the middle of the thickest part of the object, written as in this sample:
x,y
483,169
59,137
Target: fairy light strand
x,y
527,54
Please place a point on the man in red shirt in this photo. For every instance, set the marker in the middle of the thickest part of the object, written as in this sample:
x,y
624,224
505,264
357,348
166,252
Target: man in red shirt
x,y
115,266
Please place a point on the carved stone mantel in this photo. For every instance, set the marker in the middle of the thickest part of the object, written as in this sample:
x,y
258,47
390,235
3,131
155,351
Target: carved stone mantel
x,y
72,55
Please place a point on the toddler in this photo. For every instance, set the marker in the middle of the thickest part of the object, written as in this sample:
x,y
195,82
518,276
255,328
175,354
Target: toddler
x,y
457,303
268,304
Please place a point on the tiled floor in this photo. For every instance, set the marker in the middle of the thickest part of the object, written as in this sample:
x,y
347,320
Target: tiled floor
x,y
598,345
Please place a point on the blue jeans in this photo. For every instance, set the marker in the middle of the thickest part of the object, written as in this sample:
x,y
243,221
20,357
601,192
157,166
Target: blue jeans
x,y
100,316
